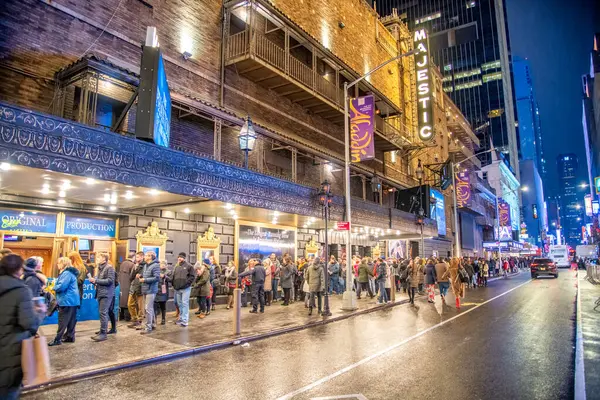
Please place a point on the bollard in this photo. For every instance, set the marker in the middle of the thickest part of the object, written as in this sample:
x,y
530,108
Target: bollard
x,y
237,311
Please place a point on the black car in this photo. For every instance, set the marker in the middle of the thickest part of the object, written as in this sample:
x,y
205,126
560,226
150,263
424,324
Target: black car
x,y
543,266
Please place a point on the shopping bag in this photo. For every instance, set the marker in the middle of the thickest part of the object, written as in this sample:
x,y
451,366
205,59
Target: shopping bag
x,y
35,361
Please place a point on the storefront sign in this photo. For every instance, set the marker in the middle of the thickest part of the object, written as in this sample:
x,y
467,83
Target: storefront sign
x,y
343,226
597,184
259,242
504,233
438,210
396,248
97,227
361,128
463,189
424,86
587,201
27,221
595,207
504,213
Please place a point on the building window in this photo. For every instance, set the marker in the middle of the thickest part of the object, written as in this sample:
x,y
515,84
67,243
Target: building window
x,y
466,74
492,77
485,176
490,65
495,113
468,85
448,67
429,17
447,78
471,4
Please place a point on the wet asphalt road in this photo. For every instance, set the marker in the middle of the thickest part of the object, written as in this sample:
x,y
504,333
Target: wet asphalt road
x,y
515,343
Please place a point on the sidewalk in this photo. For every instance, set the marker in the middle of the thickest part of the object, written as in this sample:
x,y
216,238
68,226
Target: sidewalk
x,y
71,360
590,321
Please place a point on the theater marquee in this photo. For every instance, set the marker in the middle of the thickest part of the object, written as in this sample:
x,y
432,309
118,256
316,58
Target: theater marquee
x,y
424,86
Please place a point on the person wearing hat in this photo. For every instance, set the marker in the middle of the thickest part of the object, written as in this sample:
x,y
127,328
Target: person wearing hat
x,y
257,271
201,287
182,278
33,276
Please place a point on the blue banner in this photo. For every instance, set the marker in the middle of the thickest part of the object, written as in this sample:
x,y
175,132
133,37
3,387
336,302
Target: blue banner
x,y
27,221
162,108
89,305
439,212
97,227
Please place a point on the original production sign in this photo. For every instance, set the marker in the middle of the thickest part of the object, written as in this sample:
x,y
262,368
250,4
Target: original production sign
x,y
424,86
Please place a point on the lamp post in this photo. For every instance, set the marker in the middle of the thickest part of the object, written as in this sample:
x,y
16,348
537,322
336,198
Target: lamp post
x,y
247,138
325,197
419,174
349,301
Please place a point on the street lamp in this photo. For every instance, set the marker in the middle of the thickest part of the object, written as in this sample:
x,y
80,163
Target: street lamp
x,y
349,301
420,220
247,138
325,197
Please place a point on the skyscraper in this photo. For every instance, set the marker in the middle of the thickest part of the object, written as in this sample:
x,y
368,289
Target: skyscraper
x,y
572,208
469,42
528,115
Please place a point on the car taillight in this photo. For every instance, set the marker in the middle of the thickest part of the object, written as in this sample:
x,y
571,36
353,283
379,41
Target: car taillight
x,y
534,265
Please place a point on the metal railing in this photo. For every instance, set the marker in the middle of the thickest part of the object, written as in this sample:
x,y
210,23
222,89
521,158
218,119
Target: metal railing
x,y
237,45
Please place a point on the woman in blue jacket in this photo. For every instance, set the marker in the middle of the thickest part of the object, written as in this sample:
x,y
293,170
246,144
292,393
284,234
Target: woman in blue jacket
x,y
67,297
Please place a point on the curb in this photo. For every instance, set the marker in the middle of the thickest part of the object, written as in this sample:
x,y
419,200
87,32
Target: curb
x,y
579,360
198,350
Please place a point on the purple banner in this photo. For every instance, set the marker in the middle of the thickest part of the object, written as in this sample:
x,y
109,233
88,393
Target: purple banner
x,y
504,213
362,144
463,189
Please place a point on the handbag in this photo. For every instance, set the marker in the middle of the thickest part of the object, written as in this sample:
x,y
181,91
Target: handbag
x,y
305,287
35,361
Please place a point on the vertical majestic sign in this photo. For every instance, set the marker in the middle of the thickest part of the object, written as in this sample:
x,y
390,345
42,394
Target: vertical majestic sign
x,y
153,117
463,189
362,124
504,213
424,86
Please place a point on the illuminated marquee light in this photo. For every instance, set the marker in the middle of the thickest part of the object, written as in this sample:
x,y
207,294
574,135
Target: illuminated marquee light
x,y
424,103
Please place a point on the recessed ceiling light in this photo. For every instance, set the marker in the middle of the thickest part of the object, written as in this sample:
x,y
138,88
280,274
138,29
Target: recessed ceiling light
x,y
276,213
235,217
153,192
66,184
232,212
397,232
106,197
186,210
90,181
45,190
305,226
228,206
62,193
113,208
113,198
128,195
46,186
4,166
61,201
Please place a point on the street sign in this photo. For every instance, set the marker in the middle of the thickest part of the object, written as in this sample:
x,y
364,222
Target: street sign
x,y
343,226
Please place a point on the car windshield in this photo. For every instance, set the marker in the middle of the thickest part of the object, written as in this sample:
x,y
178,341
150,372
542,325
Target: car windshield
x,y
542,260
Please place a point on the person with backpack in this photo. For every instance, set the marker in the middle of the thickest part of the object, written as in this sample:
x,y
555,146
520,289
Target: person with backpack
x,y
415,272
403,274
380,279
364,272
442,273
430,280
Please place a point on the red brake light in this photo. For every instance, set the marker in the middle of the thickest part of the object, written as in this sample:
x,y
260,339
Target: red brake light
x,y
534,265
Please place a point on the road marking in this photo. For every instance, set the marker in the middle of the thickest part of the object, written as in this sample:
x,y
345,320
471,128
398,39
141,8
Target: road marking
x,y
579,363
387,350
357,396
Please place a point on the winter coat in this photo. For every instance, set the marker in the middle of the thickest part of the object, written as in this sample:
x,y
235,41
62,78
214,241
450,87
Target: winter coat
x,y
124,281
34,281
18,321
65,287
163,283
315,276
333,270
135,287
469,269
151,277
364,272
230,277
458,288
485,269
183,276
287,276
258,274
430,274
105,281
83,271
441,271
275,269
268,281
381,272
415,274
390,277
201,286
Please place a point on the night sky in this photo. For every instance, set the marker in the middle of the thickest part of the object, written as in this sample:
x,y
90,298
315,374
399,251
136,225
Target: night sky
x,y
556,36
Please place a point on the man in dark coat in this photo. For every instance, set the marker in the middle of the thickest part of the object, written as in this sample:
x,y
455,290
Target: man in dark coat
x,y
182,277
257,271
19,320
105,292
125,281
